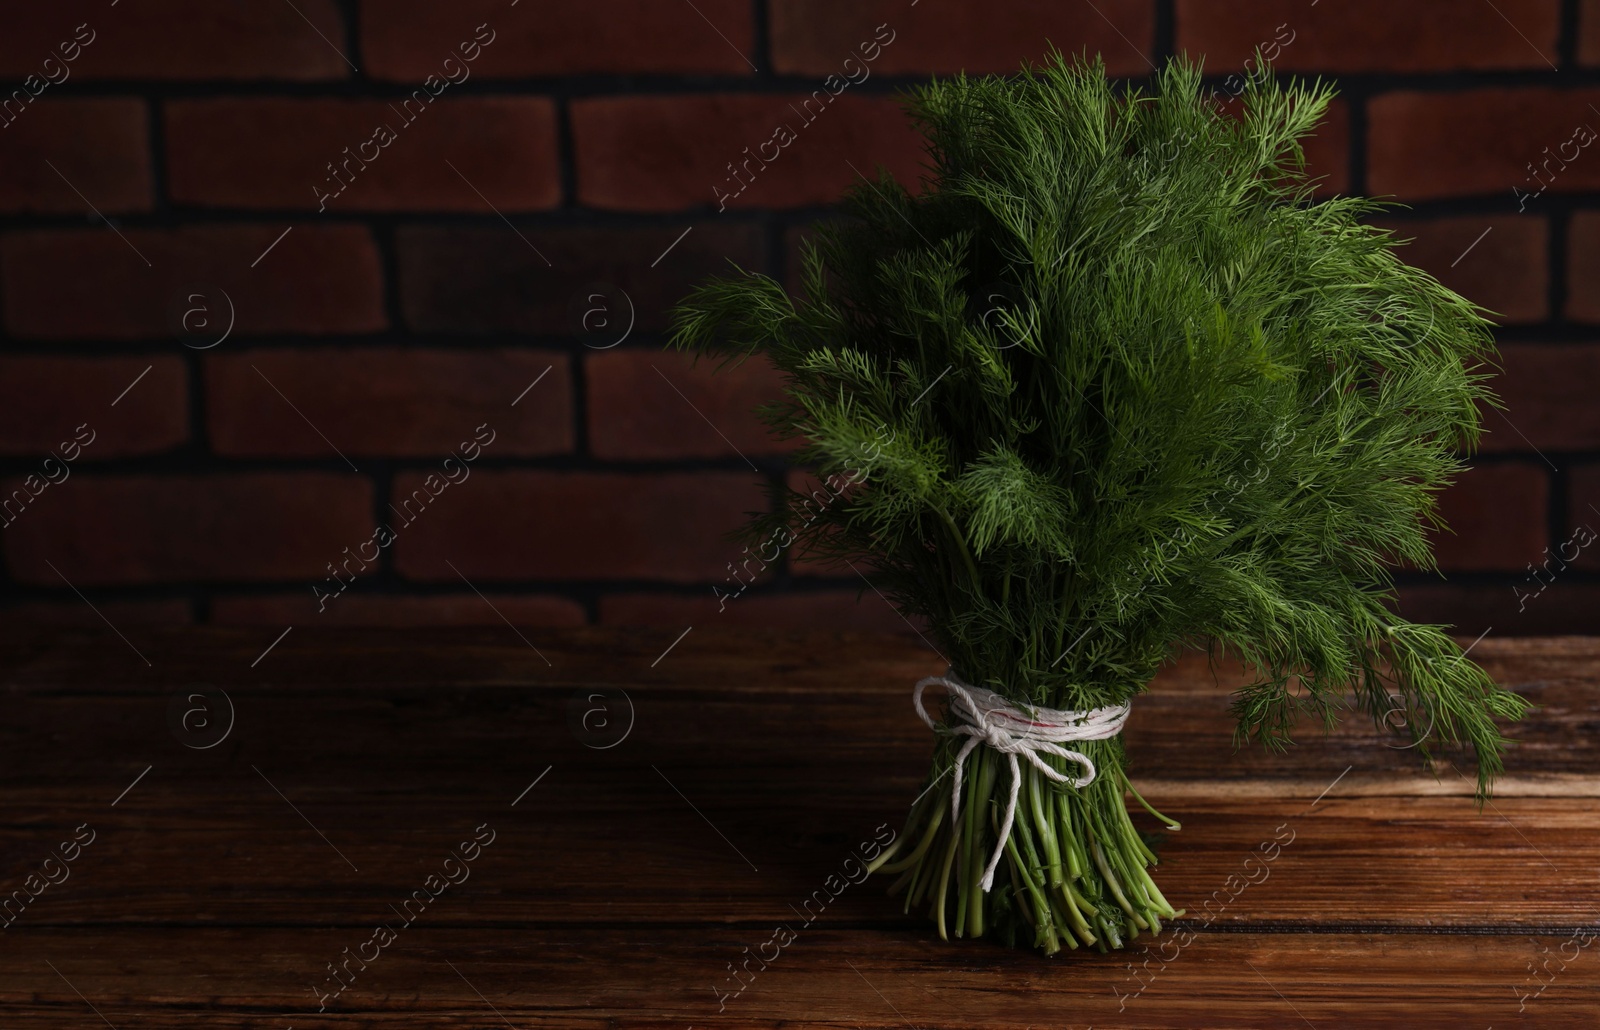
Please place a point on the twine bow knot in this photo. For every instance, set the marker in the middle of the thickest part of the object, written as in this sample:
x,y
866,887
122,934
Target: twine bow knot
x,y
984,717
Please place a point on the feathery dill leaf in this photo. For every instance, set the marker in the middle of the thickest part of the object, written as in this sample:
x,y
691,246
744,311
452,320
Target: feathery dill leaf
x,y
1134,390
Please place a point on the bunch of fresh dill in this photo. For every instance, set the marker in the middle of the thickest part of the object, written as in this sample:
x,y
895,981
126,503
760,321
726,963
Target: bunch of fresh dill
x,y
1129,389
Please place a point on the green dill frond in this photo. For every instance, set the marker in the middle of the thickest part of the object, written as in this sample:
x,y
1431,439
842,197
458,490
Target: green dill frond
x,y
1119,384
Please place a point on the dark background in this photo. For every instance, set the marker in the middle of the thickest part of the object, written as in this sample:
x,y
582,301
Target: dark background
x,y
143,194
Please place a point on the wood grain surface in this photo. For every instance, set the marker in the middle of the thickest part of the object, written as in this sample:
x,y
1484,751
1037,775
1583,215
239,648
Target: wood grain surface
x,y
653,814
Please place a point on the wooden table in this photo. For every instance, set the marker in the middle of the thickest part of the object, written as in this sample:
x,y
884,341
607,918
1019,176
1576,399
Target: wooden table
x,y
641,820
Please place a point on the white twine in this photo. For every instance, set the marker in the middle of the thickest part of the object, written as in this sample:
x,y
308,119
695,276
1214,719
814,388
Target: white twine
x,y
988,718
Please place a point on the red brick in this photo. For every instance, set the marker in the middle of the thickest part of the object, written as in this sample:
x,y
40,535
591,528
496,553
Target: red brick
x,y
99,148
387,402
1583,267
477,279
812,610
1327,151
671,152
354,609
1548,391
1583,488
277,153
118,613
1506,271
1496,516
816,37
1370,35
1326,148
406,40
43,401
1552,570
1422,146
1506,610
804,565
91,284
648,404
801,563
1589,32
794,255
577,526
103,530
178,40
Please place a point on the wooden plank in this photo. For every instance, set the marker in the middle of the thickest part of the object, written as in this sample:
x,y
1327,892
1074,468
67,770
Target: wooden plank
x,y
637,852
584,979
393,775
618,889
857,701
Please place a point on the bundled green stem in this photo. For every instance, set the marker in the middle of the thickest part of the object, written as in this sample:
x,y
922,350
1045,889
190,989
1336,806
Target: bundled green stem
x,y
1074,871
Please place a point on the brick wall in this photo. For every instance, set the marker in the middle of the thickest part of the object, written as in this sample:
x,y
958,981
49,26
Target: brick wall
x,y
424,228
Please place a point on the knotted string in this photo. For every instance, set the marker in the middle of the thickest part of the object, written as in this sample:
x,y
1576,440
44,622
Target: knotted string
x,y
984,717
